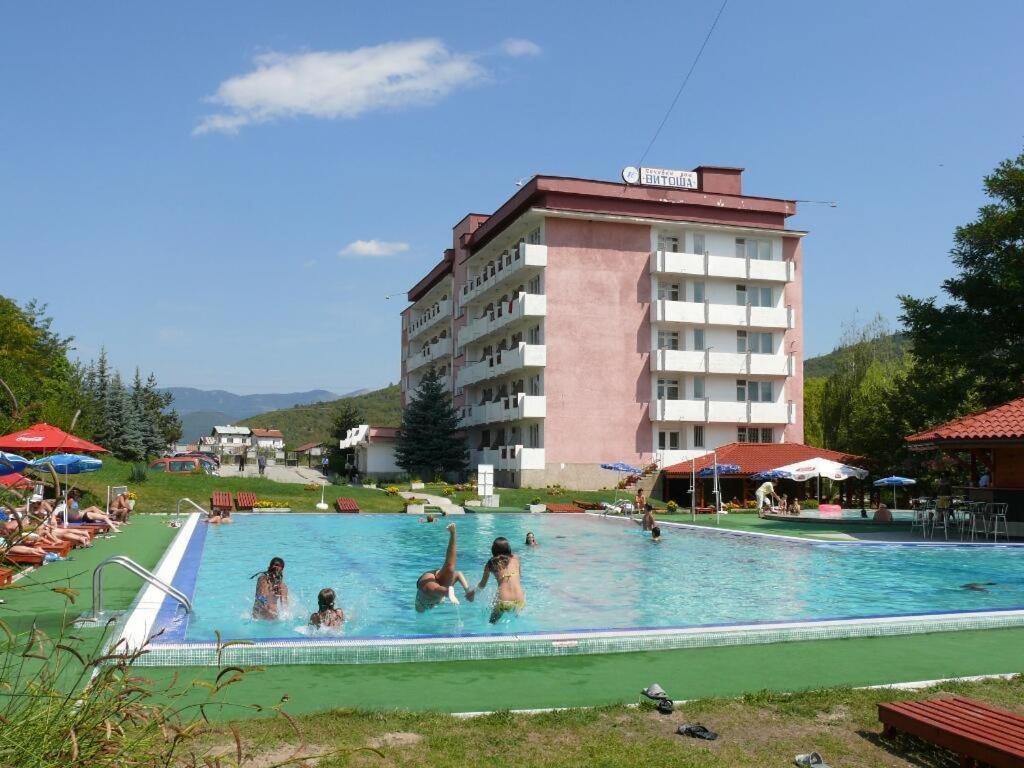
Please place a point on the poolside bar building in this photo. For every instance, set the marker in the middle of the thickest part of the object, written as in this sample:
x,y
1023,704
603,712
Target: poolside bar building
x,y
589,321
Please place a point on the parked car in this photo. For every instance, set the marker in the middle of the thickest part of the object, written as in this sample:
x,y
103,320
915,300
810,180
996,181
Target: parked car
x,y
201,456
183,465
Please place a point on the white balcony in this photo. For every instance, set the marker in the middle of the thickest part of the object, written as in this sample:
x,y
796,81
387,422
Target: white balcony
x,y
432,353
769,413
720,412
693,313
511,408
709,361
429,319
725,412
770,317
512,263
523,306
678,410
706,265
509,457
502,363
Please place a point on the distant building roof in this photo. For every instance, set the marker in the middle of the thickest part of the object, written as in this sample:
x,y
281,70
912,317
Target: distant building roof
x,y
1004,422
229,429
308,446
752,458
383,433
267,433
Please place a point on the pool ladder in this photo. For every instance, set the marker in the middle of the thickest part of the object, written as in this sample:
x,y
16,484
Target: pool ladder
x,y
138,570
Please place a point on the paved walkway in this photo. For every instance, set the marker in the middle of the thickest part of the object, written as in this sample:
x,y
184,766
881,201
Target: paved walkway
x,y
445,505
276,472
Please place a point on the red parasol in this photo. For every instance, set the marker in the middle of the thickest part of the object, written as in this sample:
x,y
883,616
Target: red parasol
x,y
45,437
14,480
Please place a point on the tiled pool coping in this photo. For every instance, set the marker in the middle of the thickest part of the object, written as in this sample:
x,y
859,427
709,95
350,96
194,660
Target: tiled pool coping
x,y
170,649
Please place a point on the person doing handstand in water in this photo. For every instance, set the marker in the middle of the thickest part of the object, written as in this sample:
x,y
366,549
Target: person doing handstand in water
x,y
506,569
434,586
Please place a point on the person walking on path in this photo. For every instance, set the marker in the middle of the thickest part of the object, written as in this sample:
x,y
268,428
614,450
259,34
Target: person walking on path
x,y
261,462
323,465
241,461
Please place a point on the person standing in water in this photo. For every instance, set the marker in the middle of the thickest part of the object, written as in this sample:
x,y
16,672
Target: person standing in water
x,y
506,569
327,615
531,540
271,591
434,586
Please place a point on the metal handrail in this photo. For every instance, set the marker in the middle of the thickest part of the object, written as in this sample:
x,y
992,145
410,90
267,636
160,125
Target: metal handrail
x,y
178,508
138,570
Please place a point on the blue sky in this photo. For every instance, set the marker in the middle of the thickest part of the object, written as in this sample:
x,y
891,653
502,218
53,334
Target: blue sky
x,y
184,183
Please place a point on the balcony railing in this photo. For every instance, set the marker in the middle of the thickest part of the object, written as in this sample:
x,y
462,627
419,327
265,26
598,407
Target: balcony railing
x,y
707,361
523,306
511,408
720,412
509,457
501,363
429,354
706,313
706,265
506,266
430,318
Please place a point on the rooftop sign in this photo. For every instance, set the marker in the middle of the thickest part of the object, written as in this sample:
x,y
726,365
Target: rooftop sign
x,y
660,177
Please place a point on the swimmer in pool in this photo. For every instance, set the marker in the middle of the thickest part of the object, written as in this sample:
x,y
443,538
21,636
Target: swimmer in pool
x,y
648,522
433,587
506,569
271,591
531,540
327,615
656,535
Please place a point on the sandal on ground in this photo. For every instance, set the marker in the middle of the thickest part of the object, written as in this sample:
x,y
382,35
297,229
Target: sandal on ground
x,y
697,731
666,707
810,759
654,692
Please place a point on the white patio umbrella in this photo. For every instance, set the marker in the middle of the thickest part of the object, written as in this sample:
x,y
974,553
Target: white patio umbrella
x,y
819,468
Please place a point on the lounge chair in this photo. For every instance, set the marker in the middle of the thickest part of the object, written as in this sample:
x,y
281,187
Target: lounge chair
x,y
6,575
973,730
563,508
19,558
220,501
345,504
62,549
245,500
590,505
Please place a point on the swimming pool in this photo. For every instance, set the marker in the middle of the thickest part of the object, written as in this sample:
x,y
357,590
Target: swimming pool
x,y
593,585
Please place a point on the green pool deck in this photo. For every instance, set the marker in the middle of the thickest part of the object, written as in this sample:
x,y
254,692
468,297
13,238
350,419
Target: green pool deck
x,y
750,522
531,683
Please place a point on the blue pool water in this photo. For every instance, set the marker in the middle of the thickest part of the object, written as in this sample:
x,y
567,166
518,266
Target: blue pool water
x,y
587,573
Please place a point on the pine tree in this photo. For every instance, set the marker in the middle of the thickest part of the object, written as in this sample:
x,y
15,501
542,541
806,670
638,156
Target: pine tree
x,y
429,440
149,426
165,419
105,428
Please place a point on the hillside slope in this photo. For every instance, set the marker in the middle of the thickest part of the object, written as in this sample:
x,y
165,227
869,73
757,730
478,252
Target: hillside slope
x,y
307,423
824,366
190,400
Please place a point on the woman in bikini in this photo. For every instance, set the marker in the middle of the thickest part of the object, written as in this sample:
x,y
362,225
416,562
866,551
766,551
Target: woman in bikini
x,y
434,587
327,615
271,591
506,569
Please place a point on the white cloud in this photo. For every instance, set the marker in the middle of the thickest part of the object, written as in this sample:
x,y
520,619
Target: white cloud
x,y
517,46
341,84
373,248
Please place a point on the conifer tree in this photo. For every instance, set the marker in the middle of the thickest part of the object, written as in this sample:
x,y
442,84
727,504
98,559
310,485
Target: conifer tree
x,y
429,440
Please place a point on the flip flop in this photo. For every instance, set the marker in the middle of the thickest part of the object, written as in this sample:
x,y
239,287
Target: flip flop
x,y
697,731
655,692
810,759
666,707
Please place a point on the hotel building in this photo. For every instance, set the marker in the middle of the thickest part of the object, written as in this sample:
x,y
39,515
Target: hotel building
x,y
591,321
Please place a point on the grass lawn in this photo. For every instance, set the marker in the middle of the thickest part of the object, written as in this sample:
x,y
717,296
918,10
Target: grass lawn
x,y
755,731
751,522
160,493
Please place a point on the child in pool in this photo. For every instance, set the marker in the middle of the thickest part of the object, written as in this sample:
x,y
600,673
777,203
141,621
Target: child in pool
x,y
271,591
506,569
327,615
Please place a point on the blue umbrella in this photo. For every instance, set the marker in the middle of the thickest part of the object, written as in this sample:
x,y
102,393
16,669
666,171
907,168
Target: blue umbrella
x,y
771,474
620,466
11,463
723,469
896,482
68,463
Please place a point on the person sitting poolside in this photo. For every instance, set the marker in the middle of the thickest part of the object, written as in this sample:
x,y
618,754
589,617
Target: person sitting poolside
x,y
506,569
271,591
656,535
120,508
91,514
433,587
327,615
794,507
882,514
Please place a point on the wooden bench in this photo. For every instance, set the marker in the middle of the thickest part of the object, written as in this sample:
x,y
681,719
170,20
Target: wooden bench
x,y
345,504
973,730
220,501
245,499
22,559
563,508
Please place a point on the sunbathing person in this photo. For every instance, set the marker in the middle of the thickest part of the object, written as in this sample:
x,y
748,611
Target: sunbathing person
x,y
506,569
120,508
271,591
10,528
91,514
433,587
327,615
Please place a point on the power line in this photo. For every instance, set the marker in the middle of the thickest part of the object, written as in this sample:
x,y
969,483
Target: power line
x,y
679,93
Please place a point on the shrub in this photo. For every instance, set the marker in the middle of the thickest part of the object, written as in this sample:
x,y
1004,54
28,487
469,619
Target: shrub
x,y
671,507
391,490
415,479
447,491
555,490
808,504
138,473
535,500
751,504
311,487
369,481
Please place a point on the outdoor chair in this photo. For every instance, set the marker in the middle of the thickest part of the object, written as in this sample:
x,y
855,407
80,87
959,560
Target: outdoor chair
x,y
245,500
921,518
563,508
220,501
979,519
22,559
996,512
940,519
345,504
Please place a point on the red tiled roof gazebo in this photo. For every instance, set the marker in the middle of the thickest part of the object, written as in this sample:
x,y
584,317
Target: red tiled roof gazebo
x,y
994,438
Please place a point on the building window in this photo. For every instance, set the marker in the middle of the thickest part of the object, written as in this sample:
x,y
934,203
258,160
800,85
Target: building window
x,y
741,295
741,342
755,435
698,387
535,385
668,340
668,389
533,436
533,286
767,435
698,436
761,296
754,391
668,291
534,335
741,390
668,243
698,291
534,237
698,339
699,245
668,441
754,249
755,342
